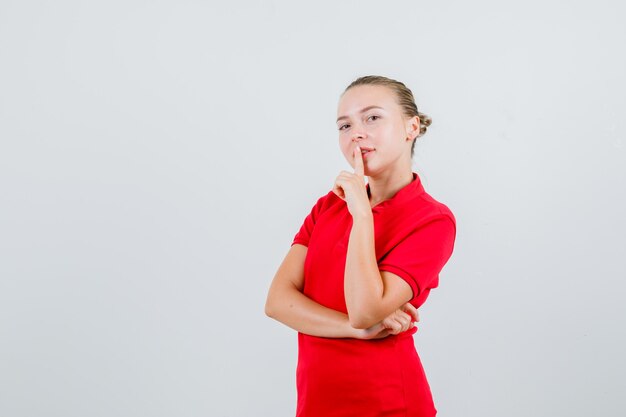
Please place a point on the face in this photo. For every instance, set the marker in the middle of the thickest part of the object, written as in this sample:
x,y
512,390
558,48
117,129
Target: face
x,y
368,116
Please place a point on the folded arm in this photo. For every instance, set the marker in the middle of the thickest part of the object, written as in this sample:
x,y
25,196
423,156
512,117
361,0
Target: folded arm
x,y
287,304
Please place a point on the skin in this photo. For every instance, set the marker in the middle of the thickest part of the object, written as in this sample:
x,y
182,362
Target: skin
x,y
372,295
389,132
377,301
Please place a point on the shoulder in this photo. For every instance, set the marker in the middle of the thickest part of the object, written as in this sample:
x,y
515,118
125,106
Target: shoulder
x,y
319,211
436,206
326,201
426,209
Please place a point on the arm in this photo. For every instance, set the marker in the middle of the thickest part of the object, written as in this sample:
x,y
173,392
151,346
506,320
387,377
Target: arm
x,y
371,295
287,304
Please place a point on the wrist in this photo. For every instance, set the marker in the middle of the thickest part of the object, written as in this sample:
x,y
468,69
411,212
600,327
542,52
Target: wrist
x,y
351,331
364,217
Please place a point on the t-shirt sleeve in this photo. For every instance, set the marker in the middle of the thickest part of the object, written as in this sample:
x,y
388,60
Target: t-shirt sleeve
x,y
422,254
306,229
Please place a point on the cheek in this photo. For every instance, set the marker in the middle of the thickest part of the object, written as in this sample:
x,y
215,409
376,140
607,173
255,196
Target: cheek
x,y
391,131
344,144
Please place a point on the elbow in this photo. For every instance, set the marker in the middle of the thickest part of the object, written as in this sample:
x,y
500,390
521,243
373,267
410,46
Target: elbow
x,y
278,302
361,321
363,315
270,309
274,305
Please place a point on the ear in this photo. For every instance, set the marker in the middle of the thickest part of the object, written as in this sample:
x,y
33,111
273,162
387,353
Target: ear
x,y
412,127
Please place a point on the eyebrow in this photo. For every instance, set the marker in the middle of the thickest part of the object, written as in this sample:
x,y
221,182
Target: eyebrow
x,y
363,110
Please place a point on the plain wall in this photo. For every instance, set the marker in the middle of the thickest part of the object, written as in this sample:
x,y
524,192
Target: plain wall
x,y
157,158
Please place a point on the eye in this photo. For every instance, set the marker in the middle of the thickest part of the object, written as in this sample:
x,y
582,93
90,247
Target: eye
x,y
342,126
374,115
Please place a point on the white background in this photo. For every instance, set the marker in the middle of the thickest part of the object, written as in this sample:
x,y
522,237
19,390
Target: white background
x,y
157,158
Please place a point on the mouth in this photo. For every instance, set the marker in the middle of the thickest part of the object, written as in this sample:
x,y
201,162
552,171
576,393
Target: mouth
x,y
366,153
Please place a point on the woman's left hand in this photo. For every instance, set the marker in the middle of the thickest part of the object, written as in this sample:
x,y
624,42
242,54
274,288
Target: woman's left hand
x,y
350,187
401,320
377,331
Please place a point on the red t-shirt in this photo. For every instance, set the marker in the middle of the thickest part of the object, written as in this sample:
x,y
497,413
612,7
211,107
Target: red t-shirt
x,y
414,238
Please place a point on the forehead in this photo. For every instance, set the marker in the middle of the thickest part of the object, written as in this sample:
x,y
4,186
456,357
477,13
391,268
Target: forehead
x,y
356,98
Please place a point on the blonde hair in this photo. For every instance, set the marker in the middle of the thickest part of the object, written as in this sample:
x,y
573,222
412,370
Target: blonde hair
x,y
404,98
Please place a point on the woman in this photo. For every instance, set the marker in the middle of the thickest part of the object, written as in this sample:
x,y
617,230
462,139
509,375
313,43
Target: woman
x,y
363,261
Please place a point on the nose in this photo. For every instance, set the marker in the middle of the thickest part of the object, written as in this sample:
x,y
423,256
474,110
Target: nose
x,y
358,134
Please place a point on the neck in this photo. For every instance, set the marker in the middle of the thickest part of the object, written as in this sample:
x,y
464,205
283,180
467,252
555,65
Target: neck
x,y
385,187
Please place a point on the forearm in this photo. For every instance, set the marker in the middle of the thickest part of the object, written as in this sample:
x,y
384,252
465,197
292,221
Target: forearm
x,y
363,284
299,312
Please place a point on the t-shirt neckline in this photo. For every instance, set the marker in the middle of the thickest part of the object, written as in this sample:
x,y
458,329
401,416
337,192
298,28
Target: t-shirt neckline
x,y
404,194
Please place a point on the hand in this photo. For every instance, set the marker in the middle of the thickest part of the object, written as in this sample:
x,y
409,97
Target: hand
x,y
397,322
411,310
377,331
350,187
401,320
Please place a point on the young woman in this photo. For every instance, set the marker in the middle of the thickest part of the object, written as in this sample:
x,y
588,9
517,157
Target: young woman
x,y
364,259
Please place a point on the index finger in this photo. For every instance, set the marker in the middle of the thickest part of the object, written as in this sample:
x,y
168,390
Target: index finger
x,y
358,161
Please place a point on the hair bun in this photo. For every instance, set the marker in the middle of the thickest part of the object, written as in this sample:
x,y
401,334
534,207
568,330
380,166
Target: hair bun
x,y
425,121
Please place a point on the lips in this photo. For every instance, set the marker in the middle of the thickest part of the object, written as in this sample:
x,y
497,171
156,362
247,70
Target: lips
x,y
366,151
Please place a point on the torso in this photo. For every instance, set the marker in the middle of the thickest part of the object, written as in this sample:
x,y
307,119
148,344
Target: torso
x,y
347,377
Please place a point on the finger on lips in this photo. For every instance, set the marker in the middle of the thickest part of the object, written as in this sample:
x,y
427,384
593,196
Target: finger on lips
x,y
358,161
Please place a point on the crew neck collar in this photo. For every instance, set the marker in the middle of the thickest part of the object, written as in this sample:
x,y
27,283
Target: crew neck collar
x,y
404,194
